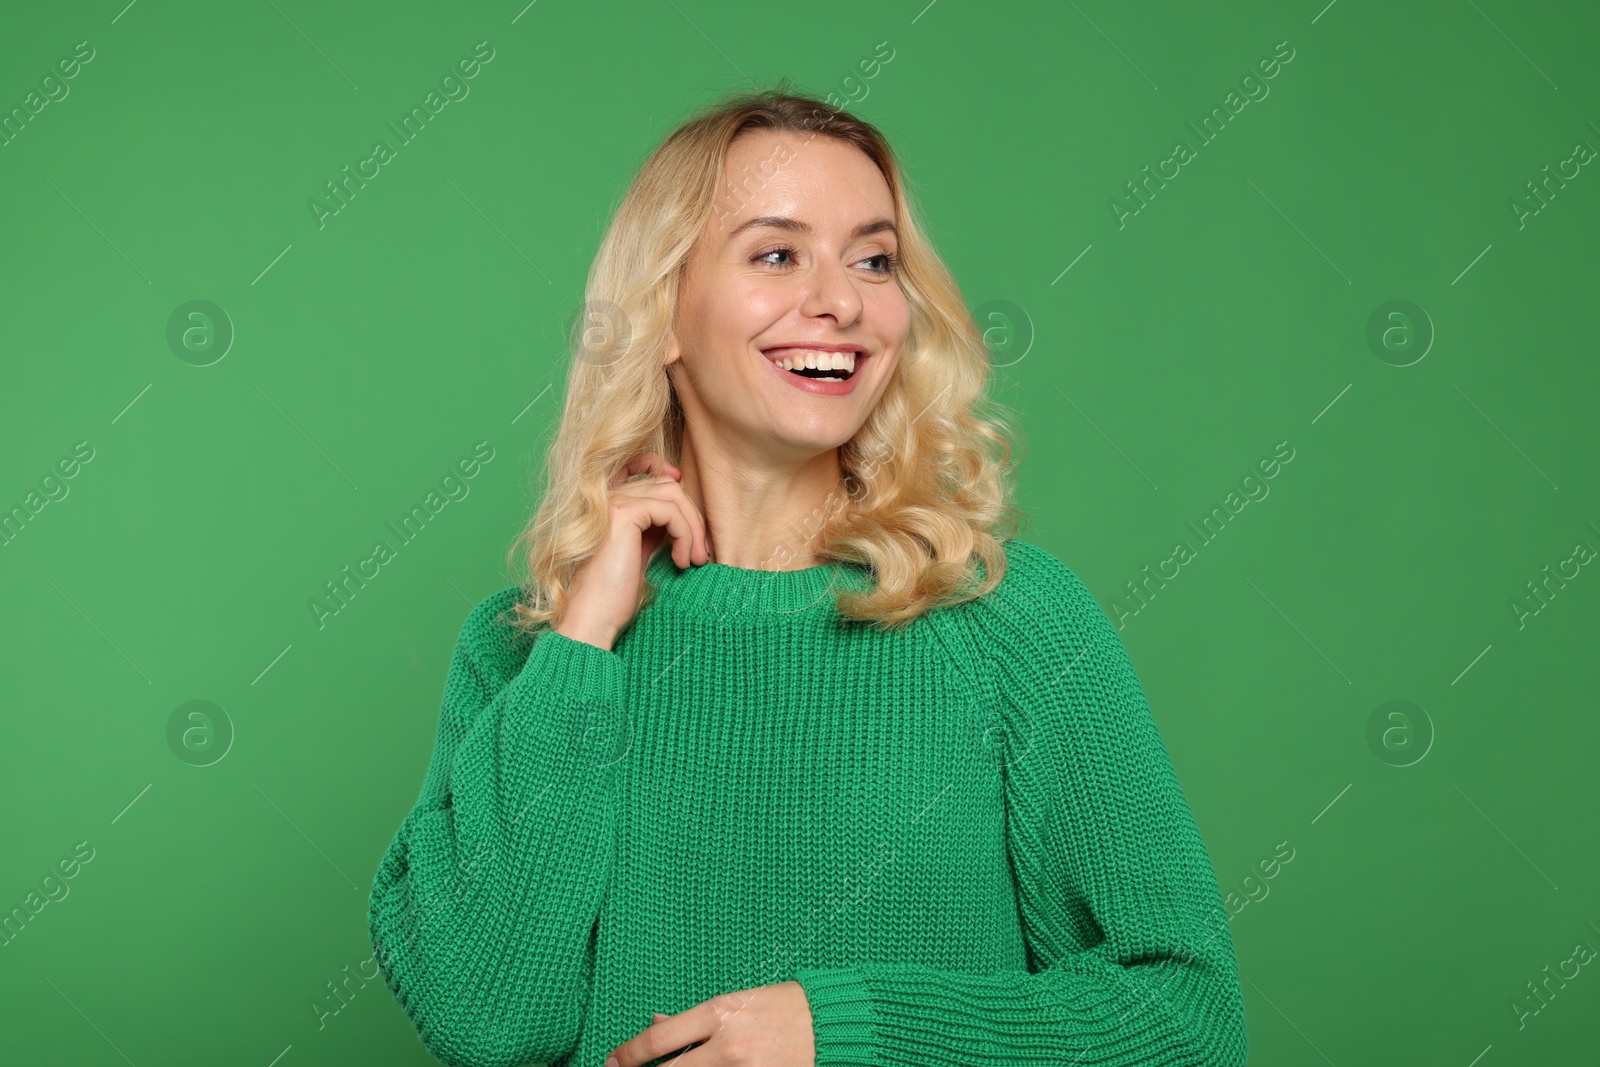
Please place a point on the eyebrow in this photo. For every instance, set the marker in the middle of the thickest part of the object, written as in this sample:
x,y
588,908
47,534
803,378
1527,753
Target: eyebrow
x,y
783,222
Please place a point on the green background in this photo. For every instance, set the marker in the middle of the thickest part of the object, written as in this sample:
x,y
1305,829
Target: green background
x,y
1230,313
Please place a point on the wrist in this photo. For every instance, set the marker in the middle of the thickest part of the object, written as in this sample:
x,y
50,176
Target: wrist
x,y
587,632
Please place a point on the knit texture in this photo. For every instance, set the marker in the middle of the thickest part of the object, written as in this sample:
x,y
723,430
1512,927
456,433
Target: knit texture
x,y
965,840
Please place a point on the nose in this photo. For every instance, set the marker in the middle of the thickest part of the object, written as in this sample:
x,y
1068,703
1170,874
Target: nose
x,y
831,291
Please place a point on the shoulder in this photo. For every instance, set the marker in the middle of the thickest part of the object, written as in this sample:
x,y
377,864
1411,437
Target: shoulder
x,y
1040,595
490,639
1038,630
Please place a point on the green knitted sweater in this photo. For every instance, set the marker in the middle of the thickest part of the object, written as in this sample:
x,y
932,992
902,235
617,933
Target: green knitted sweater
x,y
965,839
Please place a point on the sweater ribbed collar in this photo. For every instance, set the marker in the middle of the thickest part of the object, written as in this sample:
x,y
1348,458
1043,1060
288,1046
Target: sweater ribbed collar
x,y
721,590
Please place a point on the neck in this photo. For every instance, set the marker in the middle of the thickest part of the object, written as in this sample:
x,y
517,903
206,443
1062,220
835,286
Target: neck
x,y
761,516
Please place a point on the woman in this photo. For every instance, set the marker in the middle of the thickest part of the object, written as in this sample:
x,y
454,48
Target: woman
x,y
842,777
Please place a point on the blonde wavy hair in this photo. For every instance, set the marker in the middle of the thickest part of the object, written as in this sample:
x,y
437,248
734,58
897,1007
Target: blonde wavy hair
x,y
926,493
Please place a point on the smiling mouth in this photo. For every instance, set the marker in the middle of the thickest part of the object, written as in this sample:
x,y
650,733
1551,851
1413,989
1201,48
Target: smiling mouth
x,y
819,366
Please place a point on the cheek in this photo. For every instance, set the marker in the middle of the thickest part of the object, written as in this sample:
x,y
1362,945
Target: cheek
x,y
718,322
891,314
752,308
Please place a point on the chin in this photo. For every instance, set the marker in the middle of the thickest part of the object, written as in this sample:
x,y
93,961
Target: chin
x,y
813,440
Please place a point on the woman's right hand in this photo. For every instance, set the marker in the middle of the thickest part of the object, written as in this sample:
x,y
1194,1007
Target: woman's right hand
x,y
603,595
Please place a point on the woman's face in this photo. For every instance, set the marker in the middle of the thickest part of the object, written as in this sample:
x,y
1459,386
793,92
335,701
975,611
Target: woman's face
x,y
797,257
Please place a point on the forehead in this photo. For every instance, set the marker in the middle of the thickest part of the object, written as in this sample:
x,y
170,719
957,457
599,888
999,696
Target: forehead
x,y
828,183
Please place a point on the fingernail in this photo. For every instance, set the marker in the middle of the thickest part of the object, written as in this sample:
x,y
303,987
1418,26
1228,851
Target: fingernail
x,y
659,1016
611,1061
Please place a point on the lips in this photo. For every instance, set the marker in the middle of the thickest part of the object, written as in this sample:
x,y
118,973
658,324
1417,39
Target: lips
x,y
817,361
790,363
817,365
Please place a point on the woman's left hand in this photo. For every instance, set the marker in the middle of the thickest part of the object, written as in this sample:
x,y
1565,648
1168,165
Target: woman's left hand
x,y
769,1026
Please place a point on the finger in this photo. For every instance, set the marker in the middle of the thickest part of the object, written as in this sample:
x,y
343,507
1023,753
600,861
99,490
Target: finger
x,y
693,543
695,547
647,460
649,509
697,1056
667,1035
699,522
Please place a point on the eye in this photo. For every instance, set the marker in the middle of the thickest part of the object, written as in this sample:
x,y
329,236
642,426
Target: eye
x,y
891,263
786,251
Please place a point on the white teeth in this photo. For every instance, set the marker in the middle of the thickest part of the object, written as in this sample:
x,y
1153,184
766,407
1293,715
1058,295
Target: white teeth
x,y
820,361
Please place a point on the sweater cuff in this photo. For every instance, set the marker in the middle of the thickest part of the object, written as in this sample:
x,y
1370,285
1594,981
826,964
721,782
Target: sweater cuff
x,y
576,669
842,1015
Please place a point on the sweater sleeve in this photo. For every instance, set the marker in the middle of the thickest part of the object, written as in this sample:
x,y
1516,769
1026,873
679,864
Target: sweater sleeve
x,y
484,905
1130,956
